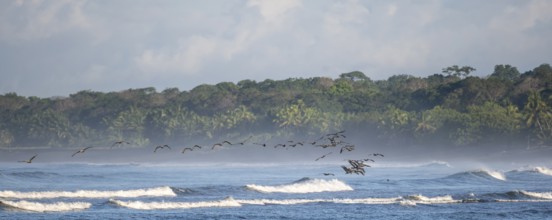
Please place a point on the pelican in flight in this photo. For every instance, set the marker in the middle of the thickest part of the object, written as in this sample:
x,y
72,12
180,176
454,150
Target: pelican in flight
x,y
347,148
161,147
322,156
119,143
81,151
220,144
377,154
197,146
187,148
328,174
28,161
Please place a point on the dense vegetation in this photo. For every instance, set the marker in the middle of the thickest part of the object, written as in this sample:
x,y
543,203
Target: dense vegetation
x,y
506,108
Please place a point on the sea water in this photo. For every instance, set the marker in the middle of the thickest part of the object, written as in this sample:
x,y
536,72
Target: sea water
x,y
271,191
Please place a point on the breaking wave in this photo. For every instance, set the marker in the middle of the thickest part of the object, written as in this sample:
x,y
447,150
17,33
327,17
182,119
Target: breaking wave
x,y
543,170
484,173
538,195
305,185
148,192
228,202
410,200
46,207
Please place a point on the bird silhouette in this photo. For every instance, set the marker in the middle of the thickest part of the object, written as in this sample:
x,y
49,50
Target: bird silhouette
x,y
187,148
216,145
197,146
161,147
347,148
28,161
322,156
119,143
81,151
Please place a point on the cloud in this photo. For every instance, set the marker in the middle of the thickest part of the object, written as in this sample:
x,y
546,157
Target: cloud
x,y
274,11
32,20
113,45
515,18
188,57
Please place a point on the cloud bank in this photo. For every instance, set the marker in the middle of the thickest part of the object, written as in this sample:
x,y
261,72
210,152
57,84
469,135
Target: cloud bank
x,y
50,48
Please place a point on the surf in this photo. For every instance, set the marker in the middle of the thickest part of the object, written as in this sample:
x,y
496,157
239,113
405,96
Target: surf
x,y
164,191
305,185
46,207
140,205
481,173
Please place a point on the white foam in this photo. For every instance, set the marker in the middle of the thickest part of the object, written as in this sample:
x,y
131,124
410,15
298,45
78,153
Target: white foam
x,y
308,186
47,207
494,174
279,201
432,200
409,200
539,195
148,192
543,170
175,205
368,201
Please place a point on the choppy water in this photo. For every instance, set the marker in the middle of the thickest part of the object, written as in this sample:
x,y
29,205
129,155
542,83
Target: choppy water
x,y
275,191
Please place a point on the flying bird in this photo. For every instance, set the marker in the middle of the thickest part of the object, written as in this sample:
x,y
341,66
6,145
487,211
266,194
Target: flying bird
x,y
28,161
187,148
377,154
216,145
197,146
161,147
264,145
81,151
347,148
328,174
119,143
220,144
322,156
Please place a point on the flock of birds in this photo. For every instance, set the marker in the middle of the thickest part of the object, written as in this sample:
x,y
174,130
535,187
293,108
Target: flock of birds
x,y
327,141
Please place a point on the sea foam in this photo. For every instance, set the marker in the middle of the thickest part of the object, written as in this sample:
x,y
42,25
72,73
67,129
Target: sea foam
x,y
47,207
538,195
543,170
148,192
304,186
228,202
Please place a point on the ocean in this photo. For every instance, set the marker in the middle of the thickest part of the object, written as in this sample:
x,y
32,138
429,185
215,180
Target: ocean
x,y
432,190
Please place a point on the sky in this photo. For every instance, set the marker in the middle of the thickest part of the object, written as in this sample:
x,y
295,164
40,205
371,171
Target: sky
x,y
57,48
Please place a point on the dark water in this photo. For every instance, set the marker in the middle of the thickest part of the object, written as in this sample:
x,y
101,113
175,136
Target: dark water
x,y
271,191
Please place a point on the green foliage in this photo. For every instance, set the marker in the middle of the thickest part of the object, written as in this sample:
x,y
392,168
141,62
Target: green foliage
x,y
449,109
455,70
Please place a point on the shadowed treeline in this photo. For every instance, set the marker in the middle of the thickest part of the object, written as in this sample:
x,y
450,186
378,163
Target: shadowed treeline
x,y
505,108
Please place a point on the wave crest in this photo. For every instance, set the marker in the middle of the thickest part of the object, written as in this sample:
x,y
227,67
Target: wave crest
x,y
148,192
543,170
228,202
47,207
538,195
304,186
482,173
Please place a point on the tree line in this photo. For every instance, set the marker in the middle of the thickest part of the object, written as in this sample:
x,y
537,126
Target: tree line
x,y
506,108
